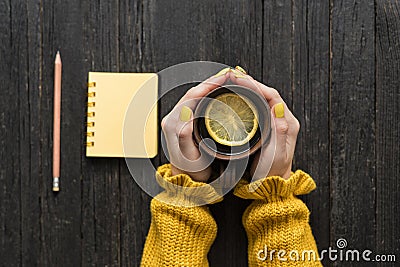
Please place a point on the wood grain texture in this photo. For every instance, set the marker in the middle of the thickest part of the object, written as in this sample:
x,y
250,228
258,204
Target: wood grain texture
x,y
61,213
30,153
336,64
10,130
352,120
222,31
311,98
277,43
387,127
101,176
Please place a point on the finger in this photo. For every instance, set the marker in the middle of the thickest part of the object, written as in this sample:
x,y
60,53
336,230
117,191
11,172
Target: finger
x,y
292,122
184,129
271,95
281,129
206,86
294,127
171,141
173,123
183,152
266,157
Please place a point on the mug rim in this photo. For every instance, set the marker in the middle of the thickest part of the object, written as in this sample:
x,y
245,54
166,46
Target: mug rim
x,y
264,133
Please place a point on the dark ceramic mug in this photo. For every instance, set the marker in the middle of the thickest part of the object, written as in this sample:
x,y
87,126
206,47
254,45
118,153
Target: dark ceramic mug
x,y
224,152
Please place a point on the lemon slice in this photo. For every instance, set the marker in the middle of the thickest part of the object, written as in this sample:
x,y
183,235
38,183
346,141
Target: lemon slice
x,y
231,119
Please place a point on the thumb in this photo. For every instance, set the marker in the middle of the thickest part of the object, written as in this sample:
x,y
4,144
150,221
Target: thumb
x,y
281,128
185,130
190,158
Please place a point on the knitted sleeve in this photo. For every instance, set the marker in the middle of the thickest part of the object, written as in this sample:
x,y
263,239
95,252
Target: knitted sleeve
x,y
181,230
277,222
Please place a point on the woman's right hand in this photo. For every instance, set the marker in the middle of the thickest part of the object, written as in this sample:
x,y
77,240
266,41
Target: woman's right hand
x,y
177,127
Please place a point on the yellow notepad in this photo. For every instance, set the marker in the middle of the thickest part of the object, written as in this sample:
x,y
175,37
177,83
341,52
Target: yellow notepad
x,y
122,115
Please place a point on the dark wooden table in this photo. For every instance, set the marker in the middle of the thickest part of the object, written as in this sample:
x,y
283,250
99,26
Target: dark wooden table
x,y
336,63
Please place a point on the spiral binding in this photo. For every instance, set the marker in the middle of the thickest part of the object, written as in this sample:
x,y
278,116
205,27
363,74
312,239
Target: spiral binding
x,y
90,144
90,113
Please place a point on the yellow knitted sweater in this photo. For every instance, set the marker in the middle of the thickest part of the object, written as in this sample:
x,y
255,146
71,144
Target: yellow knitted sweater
x,y
276,222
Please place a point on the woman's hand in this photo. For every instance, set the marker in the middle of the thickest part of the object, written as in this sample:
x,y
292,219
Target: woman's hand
x,y
286,130
177,127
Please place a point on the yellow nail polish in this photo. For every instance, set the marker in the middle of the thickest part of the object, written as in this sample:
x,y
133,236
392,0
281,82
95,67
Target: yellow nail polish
x,y
222,72
241,69
279,110
238,74
186,113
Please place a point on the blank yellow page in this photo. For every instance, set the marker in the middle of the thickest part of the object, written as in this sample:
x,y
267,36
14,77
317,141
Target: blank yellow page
x,y
124,104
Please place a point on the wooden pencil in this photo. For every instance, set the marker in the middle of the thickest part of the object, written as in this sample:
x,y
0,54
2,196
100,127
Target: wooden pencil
x,y
57,122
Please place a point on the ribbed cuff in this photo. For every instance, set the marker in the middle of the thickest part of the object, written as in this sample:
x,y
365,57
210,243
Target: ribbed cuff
x,y
275,188
181,190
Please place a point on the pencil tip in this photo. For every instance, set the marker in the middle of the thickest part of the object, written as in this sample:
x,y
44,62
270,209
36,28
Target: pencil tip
x,y
58,58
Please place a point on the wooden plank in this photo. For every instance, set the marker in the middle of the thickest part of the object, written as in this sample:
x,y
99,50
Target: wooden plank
x,y
206,30
311,107
231,33
101,181
231,241
30,151
11,21
105,175
277,47
61,212
353,124
387,127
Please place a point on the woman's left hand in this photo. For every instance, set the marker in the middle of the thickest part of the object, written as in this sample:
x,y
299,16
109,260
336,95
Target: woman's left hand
x,y
286,130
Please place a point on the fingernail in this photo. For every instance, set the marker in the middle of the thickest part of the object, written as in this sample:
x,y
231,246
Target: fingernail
x,y
222,72
241,69
186,113
279,110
